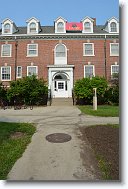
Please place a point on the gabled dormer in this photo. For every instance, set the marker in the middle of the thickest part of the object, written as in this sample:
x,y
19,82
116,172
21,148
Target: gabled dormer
x,y
8,27
87,25
33,26
60,25
112,25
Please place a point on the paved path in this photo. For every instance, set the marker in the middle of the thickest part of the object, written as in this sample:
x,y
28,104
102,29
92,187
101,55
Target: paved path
x,y
43,160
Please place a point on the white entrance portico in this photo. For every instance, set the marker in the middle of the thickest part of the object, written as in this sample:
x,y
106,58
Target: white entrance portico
x,y
60,80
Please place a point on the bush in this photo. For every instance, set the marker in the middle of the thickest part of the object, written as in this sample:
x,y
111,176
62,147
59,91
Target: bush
x,y
28,89
83,89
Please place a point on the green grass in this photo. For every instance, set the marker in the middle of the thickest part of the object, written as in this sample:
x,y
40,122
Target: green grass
x,y
102,110
12,149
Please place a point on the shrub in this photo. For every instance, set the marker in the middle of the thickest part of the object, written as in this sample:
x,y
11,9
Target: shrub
x,y
28,89
83,89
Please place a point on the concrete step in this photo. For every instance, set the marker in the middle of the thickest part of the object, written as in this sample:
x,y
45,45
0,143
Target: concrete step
x,y
62,102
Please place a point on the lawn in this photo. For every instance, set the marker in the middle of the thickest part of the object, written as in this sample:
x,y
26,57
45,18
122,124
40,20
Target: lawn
x,y
102,110
14,137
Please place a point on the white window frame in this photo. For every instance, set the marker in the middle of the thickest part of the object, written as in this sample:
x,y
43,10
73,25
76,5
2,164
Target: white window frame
x,y
92,49
34,31
17,72
115,72
113,27
93,70
2,74
33,67
32,55
10,53
61,28
111,49
8,31
90,28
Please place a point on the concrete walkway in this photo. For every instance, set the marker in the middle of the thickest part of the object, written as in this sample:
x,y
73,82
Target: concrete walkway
x,y
43,160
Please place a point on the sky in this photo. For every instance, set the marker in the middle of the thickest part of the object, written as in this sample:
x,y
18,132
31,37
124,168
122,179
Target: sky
x,y
48,10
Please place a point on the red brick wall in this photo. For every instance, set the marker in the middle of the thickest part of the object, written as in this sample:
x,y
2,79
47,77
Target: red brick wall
x,y
75,56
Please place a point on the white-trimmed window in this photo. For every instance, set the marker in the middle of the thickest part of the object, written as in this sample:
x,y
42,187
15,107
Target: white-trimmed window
x,y
88,49
6,73
114,49
114,70
89,71
7,28
32,27
60,27
32,70
6,50
32,50
19,71
60,50
113,27
87,27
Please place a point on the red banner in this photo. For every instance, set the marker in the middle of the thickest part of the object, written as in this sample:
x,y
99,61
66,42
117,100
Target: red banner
x,y
74,26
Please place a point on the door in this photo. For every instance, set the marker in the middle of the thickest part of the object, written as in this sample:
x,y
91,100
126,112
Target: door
x,y
60,89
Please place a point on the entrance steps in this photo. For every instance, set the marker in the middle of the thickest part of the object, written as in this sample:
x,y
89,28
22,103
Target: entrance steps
x,y
62,102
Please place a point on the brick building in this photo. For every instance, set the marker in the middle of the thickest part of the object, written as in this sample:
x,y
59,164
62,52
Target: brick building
x,y
61,53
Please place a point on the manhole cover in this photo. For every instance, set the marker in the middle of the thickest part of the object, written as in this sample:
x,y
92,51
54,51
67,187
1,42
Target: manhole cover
x,y
58,138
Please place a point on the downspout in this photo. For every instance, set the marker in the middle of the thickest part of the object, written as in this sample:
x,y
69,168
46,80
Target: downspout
x,y
16,44
105,58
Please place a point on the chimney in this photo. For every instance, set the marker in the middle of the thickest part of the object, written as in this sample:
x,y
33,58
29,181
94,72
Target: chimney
x,y
94,23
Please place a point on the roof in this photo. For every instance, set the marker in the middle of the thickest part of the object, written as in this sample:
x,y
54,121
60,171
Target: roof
x,y
51,30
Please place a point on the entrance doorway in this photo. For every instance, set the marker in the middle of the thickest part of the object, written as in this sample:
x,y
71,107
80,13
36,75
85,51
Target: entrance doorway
x,y
60,85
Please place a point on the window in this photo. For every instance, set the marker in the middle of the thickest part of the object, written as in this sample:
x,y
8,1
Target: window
x,y
87,27
89,71
32,50
60,51
114,49
114,70
31,70
19,71
6,73
88,49
6,50
32,27
7,28
60,27
113,27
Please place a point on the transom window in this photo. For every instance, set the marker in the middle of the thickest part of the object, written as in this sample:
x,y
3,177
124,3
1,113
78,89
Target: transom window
x,y
32,50
6,50
114,49
60,51
32,27
6,73
87,26
89,71
88,49
7,28
113,27
114,70
32,70
60,27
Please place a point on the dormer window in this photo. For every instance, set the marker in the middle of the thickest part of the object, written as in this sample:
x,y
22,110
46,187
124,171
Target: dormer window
x,y
32,27
87,27
60,27
7,28
113,27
